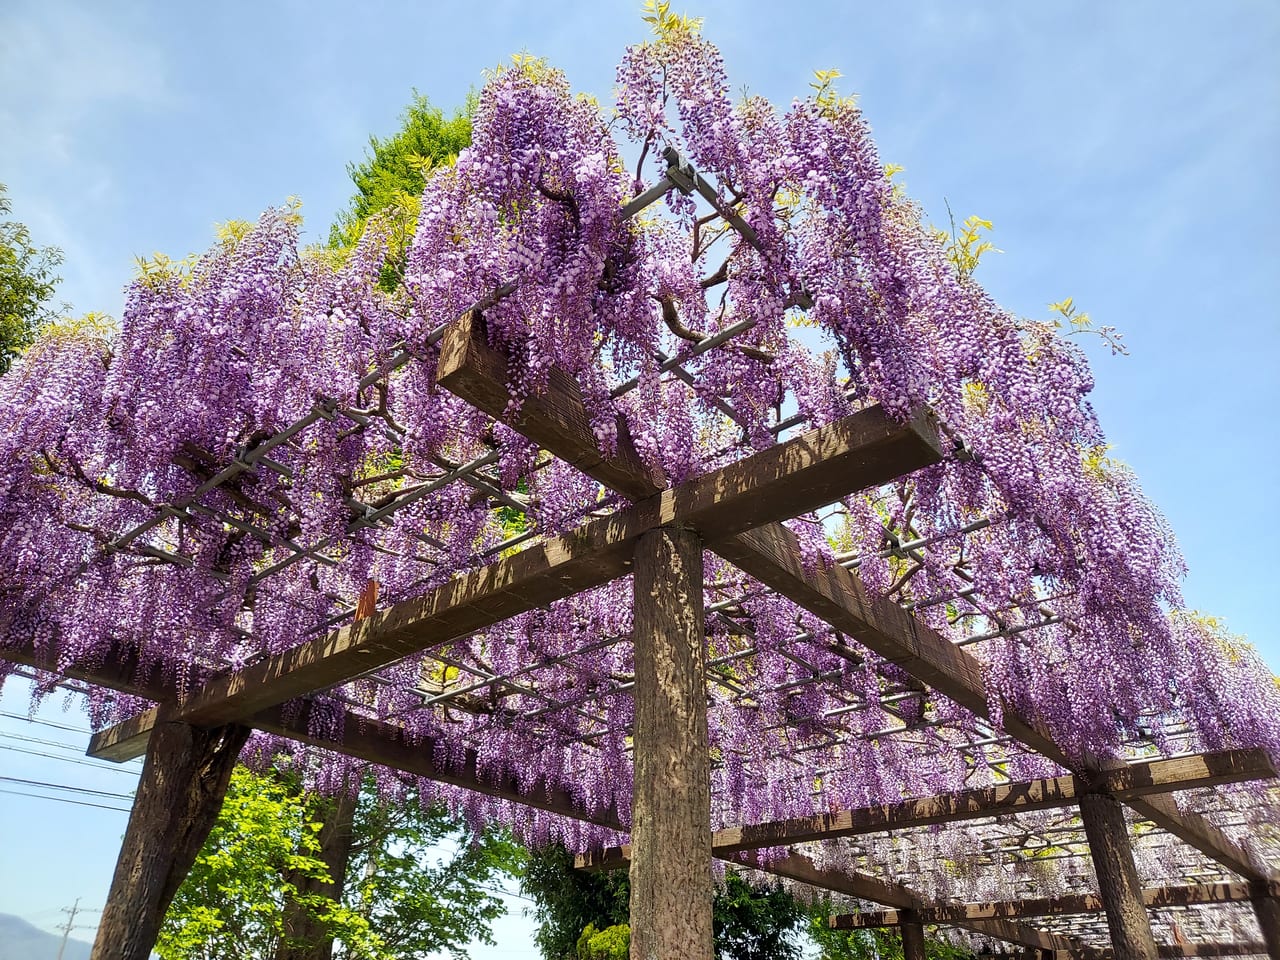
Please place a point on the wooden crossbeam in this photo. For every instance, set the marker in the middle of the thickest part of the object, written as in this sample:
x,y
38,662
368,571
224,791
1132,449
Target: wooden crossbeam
x,y
557,420
383,743
1135,780
1194,830
769,553
800,868
1172,950
802,474
1155,898
121,671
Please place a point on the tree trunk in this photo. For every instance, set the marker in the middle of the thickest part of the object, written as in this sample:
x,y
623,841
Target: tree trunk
x,y
304,938
184,780
671,886
1267,910
1118,884
912,936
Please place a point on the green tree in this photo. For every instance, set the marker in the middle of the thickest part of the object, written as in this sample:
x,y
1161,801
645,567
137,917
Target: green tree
x,y
261,878
583,916
27,283
755,923
390,180
567,901
291,875
871,943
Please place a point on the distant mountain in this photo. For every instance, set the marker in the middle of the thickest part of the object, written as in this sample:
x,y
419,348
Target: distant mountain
x,y
19,940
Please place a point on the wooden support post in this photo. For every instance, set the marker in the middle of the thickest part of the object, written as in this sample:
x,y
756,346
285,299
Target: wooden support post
x,y
1267,909
671,886
912,936
184,780
1118,884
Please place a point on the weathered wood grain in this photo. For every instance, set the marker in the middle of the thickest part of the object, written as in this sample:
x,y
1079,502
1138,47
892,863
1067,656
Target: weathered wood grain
x,y
1118,884
671,886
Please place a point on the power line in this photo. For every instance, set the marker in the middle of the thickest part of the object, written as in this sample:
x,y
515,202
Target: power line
x,y
109,768
47,723
70,789
63,744
78,803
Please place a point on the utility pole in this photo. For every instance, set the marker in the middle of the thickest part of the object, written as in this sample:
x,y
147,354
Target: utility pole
x,y
66,927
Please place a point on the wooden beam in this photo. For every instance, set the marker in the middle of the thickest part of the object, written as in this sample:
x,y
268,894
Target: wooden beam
x,y
121,670
1135,780
800,868
124,740
912,936
1266,907
382,743
391,746
1194,830
1184,773
772,555
1155,898
1245,949
352,734
555,419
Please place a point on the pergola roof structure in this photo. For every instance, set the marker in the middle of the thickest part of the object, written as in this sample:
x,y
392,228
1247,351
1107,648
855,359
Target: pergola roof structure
x,y
858,741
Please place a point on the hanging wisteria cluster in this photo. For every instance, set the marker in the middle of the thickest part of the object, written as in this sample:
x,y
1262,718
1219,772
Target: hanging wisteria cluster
x,y
265,436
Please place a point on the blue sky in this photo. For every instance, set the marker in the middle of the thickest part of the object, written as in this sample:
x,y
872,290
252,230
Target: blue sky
x,y
1126,152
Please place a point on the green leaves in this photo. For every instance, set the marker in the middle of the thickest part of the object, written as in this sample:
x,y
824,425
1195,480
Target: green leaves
x,y
828,100
1082,323
27,283
965,247
611,943
262,876
874,943
392,177
666,24
583,916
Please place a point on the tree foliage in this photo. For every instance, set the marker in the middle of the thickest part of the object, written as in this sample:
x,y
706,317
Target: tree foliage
x,y
393,174
567,901
755,923
583,916
406,897
27,283
611,943
872,943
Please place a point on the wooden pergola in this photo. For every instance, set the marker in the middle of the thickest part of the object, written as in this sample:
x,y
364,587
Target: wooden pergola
x,y
191,741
